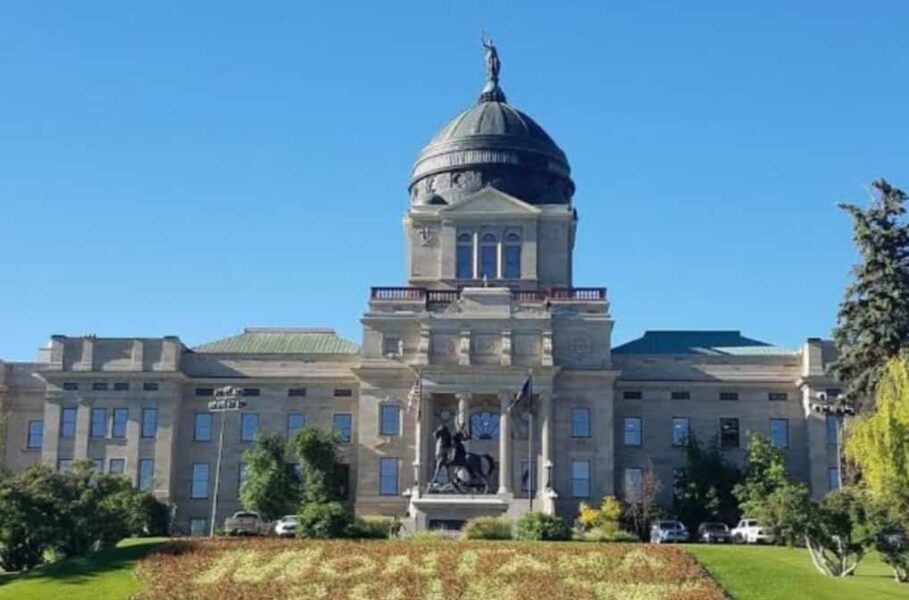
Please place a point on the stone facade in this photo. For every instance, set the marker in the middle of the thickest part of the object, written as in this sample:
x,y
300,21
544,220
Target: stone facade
x,y
489,304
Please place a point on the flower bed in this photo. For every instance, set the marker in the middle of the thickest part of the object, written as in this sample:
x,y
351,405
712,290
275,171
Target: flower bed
x,y
401,570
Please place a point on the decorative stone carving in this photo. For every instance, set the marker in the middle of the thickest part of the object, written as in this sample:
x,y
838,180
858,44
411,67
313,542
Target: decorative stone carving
x,y
467,180
426,235
546,357
505,355
423,346
464,348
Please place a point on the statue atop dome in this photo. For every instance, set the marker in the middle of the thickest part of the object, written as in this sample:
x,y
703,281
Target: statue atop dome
x,y
493,65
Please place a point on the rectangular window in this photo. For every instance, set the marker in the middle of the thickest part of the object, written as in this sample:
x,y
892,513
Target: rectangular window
x,y
833,479
64,465
633,480
99,422
343,392
70,386
296,392
729,396
35,435
202,427
116,466
249,424
205,392
779,433
489,261
149,422
200,481
528,475
729,433
389,420
118,426
251,391
580,422
632,395
388,476
465,260
833,423
99,386
391,346
121,386
681,429
150,386
680,395
513,261
68,422
778,396
146,474
633,428
580,478
295,422
342,424
198,527
98,465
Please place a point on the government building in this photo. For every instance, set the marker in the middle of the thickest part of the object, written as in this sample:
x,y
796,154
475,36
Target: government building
x,y
489,336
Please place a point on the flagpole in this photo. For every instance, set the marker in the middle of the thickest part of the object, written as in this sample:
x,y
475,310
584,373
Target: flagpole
x,y
530,469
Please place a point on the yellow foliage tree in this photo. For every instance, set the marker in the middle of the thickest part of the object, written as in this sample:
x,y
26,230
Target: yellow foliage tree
x,y
605,518
879,442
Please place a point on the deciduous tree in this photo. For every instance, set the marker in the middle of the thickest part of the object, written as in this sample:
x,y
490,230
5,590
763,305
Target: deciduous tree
x,y
270,486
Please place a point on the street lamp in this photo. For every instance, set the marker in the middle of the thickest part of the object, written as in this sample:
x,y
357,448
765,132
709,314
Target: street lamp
x,y
227,399
840,411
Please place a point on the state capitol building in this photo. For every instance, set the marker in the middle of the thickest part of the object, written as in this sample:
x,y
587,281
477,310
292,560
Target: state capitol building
x,y
488,302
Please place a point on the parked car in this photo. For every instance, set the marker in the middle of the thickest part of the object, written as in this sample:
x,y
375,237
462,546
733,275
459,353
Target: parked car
x,y
749,531
245,523
668,531
713,532
287,526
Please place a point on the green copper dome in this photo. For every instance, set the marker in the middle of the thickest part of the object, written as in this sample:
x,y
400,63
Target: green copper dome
x,y
492,143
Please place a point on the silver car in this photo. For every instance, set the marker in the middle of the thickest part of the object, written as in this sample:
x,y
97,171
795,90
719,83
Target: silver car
x,y
663,532
287,526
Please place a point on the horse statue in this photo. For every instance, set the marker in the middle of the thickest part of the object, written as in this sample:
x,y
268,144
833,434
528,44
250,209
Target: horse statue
x,y
467,471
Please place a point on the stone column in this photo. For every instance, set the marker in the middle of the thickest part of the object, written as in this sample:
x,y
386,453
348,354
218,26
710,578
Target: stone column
x,y
463,407
505,442
83,429
546,485
418,442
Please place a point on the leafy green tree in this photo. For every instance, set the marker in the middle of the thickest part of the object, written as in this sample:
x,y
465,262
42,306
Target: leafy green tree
x,y
840,531
878,443
704,491
873,321
28,517
766,473
322,514
270,487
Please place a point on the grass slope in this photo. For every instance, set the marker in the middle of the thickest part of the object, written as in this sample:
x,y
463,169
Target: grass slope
x,y
102,575
771,573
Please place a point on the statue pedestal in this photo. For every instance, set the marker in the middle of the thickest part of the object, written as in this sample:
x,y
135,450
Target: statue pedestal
x,y
450,511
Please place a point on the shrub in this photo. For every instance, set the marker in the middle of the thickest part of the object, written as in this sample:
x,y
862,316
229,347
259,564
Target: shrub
x,y
542,527
599,535
375,528
488,528
324,521
605,518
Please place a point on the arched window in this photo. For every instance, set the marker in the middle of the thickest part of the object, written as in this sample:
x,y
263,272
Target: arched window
x,y
512,256
465,256
484,425
489,258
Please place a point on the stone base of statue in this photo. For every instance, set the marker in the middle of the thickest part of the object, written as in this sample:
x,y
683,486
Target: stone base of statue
x,y
450,511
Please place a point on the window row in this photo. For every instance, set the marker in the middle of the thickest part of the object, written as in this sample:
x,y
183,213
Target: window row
x,y
117,466
729,432
686,395
207,392
103,423
203,426
117,386
486,256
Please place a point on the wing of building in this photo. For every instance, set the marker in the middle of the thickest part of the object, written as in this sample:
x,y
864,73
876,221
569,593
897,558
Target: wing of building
x,y
487,384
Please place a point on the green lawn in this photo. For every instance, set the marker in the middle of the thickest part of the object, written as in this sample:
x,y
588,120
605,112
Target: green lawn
x,y
770,573
98,576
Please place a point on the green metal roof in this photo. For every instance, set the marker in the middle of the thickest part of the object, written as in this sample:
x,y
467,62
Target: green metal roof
x,y
256,340
710,343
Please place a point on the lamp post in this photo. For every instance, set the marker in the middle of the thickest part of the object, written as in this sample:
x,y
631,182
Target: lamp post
x,y
840,411
227,399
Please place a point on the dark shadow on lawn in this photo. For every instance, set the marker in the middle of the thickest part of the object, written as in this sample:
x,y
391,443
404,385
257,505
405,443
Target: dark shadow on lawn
x,y
80,569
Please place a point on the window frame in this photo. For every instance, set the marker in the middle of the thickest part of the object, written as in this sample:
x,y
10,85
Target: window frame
x,y
198,532
386,477
738,433
65,424
632,395
29,434
119,461
464,243
287,428
533,476
832,436
489,243
386,406
140,481
243,426
777,396
93,433
151,411
785,423
683,443
348,438
512,249
211,426
196,479
578,410
680,395
625,431
587,480
729,396
115,432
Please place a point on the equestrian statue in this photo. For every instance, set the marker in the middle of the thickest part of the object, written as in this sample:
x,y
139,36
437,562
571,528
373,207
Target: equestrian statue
x,y
467,472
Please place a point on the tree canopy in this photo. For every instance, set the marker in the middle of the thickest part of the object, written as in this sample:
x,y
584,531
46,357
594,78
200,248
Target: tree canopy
x,y
270,486
873,320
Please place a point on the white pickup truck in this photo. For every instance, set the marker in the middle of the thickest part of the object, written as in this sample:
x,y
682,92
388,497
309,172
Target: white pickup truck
x,y
245,523
749,531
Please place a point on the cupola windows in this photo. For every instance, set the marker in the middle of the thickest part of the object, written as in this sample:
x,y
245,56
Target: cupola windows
x,y
487,255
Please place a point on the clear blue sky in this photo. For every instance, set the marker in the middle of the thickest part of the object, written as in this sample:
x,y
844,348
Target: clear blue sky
x,y
189,170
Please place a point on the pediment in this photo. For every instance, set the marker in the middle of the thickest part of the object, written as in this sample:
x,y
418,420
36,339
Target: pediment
x,y
490,201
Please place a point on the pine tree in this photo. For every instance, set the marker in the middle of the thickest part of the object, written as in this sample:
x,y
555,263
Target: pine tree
x,y
873,321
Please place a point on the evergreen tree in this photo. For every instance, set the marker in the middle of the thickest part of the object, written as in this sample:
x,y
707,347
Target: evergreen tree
x,y
269,487
703,491
873,321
